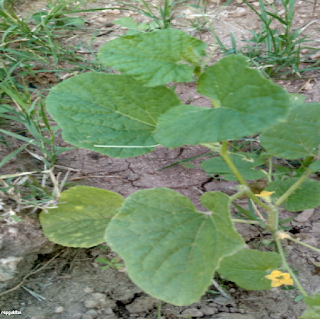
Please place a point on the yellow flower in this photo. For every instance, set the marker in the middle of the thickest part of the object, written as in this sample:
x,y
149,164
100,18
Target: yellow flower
x,y
279,278
264,194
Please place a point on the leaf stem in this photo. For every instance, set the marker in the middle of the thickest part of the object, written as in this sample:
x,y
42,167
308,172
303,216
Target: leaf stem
x,y
159,309
245,221
307,161
224,154
292,189
285,265
304,244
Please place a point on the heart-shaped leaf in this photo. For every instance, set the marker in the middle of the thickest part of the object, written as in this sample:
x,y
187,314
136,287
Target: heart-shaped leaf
x,y
109,110
248,268
246,103
305,197
155,58
298,137
81,217
245,165
171,249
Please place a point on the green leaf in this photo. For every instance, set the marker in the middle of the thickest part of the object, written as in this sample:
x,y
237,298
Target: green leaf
x,y
297,99
108,109
247,104
315,166
126,22
313,313
248,268
245,165
154,58
298,137
305,197
81,217
312,301
171,249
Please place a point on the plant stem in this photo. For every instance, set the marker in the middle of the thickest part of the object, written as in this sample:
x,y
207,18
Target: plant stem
x,y
224,154
307,161
159,309
245,221
285,265
303,244
292,189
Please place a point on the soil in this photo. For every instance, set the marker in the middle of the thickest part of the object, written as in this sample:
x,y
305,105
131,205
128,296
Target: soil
x,y
71,283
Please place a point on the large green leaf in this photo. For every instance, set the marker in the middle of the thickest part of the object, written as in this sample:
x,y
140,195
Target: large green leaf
x,y
246,102
155,58
305,197
311,313
315,166
245,165
248,268
81,217
298,137
171,249
108,109
313,300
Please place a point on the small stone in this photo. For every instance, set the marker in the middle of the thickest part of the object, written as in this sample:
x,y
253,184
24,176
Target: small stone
x,y
116,11
304,51
208,311
240,12
304,216
8,267
86,316
76,316
88,290
108,311
232,290
92,313
224,14
315,56
141,304
220,300
232,316
59,310
192,312
275,315
91,303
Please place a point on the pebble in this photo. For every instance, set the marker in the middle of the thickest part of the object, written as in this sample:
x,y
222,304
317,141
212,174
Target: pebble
x,y
304,216
59,310
220,300
76,316
315,56
91,303
92,313
208,311
240,12
192,312
88,290
232,316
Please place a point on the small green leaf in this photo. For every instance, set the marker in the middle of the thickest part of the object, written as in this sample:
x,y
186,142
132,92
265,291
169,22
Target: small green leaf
x,y
315,166
245,165
171,249
126,22
109,110
298,137
312,301
313,313
154,58
305,197
298,298
81,217
248,268
247,104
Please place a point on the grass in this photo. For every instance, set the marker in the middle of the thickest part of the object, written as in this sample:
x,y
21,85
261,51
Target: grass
x,y
277,48
26,43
